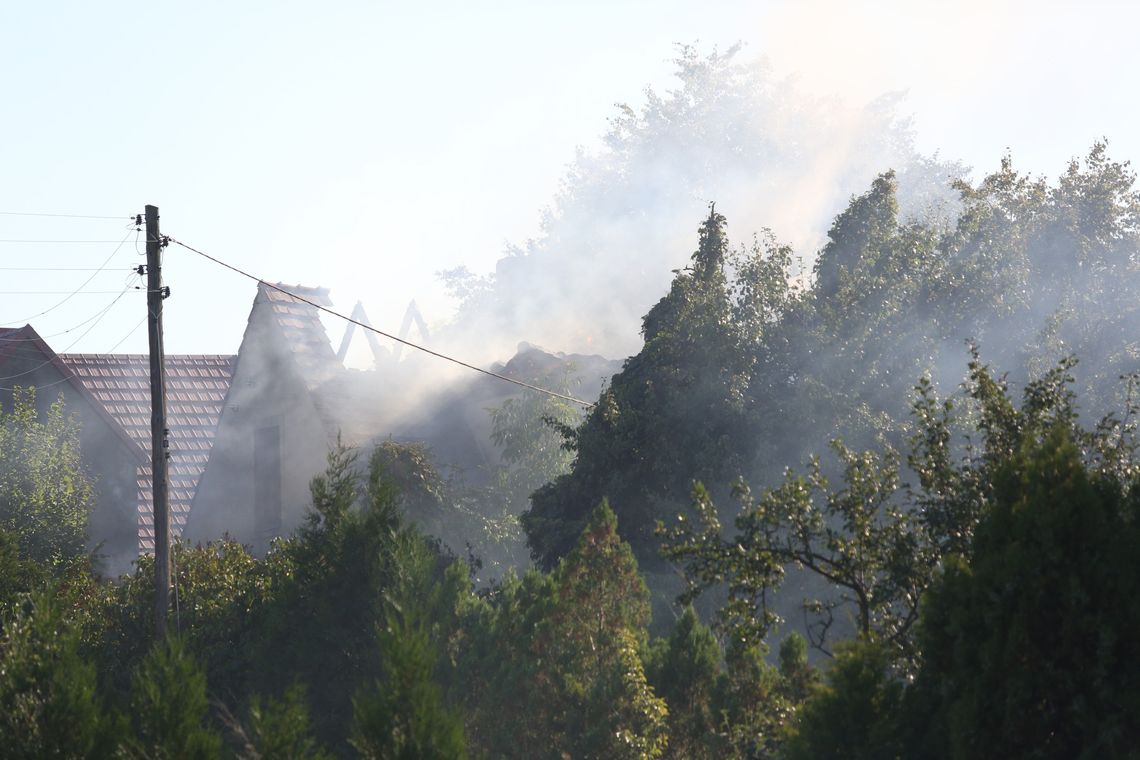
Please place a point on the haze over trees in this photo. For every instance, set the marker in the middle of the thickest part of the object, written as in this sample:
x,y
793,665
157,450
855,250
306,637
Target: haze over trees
x,y
729,131
899,490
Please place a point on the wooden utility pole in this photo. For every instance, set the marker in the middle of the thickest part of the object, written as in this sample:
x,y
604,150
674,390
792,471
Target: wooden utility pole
x,y
155,293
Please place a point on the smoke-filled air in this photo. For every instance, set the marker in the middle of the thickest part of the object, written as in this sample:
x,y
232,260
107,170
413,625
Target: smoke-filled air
x,y
721,413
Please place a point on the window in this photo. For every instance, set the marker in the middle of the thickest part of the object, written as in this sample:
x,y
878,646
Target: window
x,y
267,483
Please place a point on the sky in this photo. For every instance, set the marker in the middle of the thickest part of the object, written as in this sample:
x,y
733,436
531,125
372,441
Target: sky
x,y
365,146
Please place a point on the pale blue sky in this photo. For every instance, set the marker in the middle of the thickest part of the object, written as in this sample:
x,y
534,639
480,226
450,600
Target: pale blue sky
x,y
365,145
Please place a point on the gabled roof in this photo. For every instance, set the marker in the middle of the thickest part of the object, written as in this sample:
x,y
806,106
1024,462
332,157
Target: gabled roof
x,y
301,328
25,342
196,387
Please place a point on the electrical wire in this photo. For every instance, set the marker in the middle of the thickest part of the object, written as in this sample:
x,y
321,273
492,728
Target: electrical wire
x,y
102,266
61,242
109,351
52,269
96,315
438,355
138,324
81,337
62,216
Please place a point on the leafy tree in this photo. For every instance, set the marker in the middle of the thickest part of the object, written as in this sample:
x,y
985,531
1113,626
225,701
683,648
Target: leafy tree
x,y
221,592
304,614
277,729
319,623
527,430
797,676
684,670
48,701
169,707
859,540
873,545
1028,647
403,716
45,492
860,242
854,715
421,491
18,574
560,652
675,412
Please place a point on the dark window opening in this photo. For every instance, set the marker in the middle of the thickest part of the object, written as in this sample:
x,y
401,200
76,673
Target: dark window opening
x,y
267,483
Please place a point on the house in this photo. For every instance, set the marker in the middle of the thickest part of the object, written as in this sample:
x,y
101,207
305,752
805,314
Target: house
x,y
249,432
292,399
109,396
277,424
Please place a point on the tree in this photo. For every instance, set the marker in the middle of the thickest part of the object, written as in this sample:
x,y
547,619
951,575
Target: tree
x,y
874,546
527,429
48,701
45,492
169,707
869,550
403,716
1028,647
684,669
277,729
722,129
335,583
854,715
674,413
18,574
559,651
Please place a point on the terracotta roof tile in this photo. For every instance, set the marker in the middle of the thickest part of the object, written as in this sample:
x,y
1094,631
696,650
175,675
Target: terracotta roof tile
x,y
121,383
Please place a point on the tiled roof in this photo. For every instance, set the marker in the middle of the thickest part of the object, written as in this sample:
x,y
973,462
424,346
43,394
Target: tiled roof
x,y
301,328
25,343
196,387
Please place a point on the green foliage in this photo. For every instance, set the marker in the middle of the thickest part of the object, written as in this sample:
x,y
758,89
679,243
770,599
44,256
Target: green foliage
x,y
1018,533
1029,647
169,707
559,653
854,715
420,489
220,593
750,702
873,545
304,615
869,549
45,493
527,429
797,676
859,245
676,411
278,729
402,716
335,585
18,574
685,673
48,701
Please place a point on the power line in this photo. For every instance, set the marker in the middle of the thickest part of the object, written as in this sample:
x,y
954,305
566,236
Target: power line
x,y
109,351
81,337
62,216
81,287
453,360
53,269
138,324
60,242
96,315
